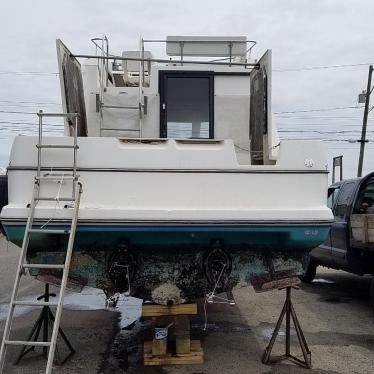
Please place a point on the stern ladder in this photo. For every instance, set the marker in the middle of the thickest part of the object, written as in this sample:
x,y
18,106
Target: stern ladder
x,y
30,230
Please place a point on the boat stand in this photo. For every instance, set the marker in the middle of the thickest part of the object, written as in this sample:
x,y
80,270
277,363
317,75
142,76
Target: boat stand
x,y
44,322
289,311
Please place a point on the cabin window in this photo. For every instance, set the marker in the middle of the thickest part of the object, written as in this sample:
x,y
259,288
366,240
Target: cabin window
x,y
186,100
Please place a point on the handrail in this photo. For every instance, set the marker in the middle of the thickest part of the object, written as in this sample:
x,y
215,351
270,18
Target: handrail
x,y
141,85
103,73
229,42
120,58
98,47
198,41
119,107
42,114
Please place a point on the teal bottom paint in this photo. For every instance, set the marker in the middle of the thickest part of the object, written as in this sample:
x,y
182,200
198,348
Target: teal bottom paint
x,y
144,258
255,237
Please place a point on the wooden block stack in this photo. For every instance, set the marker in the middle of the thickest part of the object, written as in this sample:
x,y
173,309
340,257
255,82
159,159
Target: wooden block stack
x,y
178,348
182,334
363,227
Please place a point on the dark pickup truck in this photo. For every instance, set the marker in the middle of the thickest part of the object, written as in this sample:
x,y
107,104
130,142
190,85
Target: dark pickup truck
x,y
350,245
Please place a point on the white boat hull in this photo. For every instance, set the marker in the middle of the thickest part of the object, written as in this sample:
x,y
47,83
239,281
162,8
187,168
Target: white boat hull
x,y
171,202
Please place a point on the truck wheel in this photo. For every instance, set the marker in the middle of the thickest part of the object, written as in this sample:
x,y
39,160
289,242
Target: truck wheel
x,y
372,292
310,272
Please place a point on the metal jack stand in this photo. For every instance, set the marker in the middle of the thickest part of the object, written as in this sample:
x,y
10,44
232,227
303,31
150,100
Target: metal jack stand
x,y
45,321
289,311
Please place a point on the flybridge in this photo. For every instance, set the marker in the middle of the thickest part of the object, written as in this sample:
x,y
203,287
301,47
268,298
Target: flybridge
x,y
236,50
209,88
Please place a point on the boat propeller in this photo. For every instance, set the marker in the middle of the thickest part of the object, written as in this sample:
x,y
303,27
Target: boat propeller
x,y
218,266
122,267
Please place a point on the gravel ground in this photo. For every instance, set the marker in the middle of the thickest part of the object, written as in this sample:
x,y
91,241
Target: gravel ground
x,y
334,312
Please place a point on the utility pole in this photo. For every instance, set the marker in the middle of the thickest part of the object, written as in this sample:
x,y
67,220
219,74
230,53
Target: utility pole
x,y
364,123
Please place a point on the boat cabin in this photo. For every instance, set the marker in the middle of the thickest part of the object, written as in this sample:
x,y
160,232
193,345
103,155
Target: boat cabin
x,y
208,89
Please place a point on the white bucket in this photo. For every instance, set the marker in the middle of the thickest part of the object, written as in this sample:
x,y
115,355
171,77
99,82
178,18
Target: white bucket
x,y
161,333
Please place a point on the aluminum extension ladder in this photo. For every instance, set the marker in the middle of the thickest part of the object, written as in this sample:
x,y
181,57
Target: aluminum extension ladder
x,y
74,199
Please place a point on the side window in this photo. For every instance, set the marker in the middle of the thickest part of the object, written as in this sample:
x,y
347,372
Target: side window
x,y
332,194
344,199
365,199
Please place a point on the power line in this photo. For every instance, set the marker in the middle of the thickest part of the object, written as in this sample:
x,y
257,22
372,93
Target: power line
x,y
319,110
29,73
351,141
26,106
16,112
302,68
28,123
326,132
358,116
28,102
297,123
275,113
305,125
321,67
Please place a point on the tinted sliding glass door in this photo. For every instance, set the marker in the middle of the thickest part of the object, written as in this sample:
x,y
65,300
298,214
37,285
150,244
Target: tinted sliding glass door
x,y
186,100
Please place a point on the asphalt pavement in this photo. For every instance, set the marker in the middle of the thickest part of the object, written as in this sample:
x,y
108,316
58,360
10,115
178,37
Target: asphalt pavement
x,y
334,312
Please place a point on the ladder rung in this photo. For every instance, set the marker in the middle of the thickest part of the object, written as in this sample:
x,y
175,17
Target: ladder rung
x,y
35,303
24,342
120,107
42,266
58,174
47,231
56,177
57,146
55,198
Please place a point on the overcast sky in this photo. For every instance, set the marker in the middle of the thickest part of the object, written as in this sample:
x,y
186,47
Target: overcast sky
x,y
301,33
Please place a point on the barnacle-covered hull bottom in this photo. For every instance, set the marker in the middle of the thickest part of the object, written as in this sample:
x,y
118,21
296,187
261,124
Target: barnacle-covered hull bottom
x,y
176,263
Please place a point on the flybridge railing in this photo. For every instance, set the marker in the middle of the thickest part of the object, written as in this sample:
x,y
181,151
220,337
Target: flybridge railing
x,y
102,50
230,45
103,57
158,60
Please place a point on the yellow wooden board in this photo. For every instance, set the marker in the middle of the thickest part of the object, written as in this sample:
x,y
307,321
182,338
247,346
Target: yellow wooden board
x,y
363,227
154,310
196,356
159,347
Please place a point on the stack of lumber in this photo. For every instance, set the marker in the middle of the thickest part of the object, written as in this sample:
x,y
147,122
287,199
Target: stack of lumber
x,y
178,348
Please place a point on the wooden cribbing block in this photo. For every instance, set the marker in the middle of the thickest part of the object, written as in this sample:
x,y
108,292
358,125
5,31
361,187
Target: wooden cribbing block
x,y
183,345
182,334
154,310
181,349
196,356
159,347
